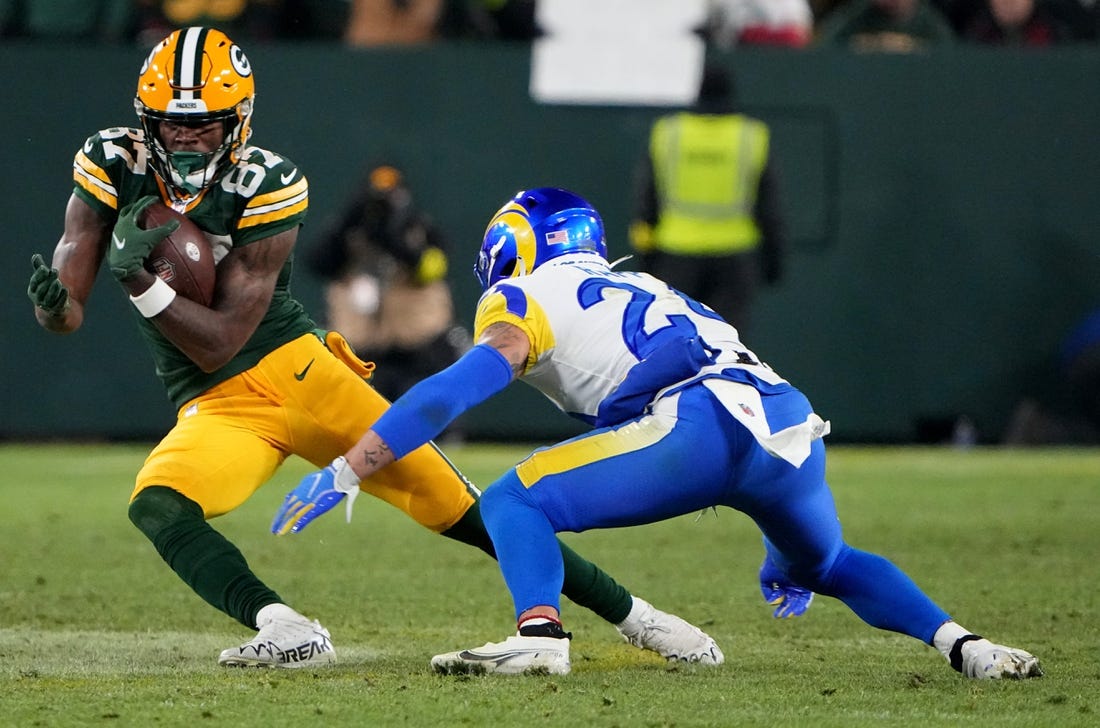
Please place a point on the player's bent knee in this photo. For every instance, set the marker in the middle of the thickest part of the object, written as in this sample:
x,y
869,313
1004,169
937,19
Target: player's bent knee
x,y
494,498
506,493
157,507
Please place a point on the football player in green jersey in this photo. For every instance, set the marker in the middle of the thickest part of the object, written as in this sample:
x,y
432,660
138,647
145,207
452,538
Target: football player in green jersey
x,y
253,378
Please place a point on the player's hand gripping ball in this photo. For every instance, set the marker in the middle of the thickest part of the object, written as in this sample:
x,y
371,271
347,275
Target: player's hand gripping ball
x,y
184,258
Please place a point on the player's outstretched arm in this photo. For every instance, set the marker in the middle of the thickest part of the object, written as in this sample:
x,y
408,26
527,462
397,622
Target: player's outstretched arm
x,y
317,494
413,420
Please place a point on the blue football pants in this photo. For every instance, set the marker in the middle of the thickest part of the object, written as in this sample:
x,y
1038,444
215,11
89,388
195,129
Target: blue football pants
x,y
661,466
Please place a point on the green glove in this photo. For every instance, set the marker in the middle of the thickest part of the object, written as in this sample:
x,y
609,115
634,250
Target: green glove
x,y
46,289
130,244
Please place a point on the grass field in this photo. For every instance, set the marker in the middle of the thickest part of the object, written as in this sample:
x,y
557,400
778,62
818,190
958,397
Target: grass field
x,y
96,631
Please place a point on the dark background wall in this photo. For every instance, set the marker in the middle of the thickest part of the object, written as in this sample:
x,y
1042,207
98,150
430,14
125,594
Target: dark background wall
x,y
944,210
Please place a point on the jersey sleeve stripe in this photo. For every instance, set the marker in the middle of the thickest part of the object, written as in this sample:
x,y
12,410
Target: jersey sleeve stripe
x,y
275,206
247,222
293,191
82,161
92,179
252,208
251,217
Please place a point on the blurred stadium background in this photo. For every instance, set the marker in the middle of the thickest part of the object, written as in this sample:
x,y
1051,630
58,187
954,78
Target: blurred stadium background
x,y
943,210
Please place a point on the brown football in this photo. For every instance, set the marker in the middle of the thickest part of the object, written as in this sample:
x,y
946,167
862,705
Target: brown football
x,y
184,259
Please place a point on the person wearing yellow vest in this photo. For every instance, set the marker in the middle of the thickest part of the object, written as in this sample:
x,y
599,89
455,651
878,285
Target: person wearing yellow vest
x,y
707,216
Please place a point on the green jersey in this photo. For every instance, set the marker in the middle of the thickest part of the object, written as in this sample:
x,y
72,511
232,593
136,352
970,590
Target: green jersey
x,y
262,195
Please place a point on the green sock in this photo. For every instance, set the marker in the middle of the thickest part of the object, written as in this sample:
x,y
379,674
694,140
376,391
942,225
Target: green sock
x,y
593,588
208,563
586,584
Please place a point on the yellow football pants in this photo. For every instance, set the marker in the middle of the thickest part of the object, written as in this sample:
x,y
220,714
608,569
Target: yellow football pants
x,y
305,399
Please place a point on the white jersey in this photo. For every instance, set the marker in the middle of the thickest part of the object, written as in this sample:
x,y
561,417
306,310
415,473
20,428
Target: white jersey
x,y
606,344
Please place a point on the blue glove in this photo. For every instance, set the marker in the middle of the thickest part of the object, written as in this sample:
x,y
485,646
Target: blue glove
x,y
789,599
317,494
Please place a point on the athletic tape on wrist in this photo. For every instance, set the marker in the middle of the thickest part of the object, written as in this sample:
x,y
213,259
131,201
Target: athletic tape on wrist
x,y
155,299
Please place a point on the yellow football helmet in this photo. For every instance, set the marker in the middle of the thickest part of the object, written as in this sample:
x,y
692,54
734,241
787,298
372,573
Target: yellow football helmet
x,y
194,77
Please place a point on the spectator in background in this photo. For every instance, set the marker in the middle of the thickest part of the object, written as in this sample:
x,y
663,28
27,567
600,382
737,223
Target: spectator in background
x,y
707,218
759,22
1079,19
95,21
314,20
393,22
956,11
387,291
1082,17
243,20
513,19
1017,23
898,26
822,8
406,22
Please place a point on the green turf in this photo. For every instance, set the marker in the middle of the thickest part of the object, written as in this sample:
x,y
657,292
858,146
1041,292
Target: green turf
x,y
95,630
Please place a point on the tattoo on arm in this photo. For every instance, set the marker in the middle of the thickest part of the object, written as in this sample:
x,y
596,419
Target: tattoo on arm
x,y
511,341
377,456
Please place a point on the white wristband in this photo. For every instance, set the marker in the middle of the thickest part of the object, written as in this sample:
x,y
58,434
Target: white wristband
x,y
155,299
346,481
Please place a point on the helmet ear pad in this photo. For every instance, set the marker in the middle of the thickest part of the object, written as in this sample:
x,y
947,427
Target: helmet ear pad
x,y
535,226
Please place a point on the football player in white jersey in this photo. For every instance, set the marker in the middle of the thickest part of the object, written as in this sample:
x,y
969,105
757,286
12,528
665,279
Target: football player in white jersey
x,y
660,378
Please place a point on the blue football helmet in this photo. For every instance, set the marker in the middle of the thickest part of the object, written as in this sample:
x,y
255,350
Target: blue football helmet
x,y
536,226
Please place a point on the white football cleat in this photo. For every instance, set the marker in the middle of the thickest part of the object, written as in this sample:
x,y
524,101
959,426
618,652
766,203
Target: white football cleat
x,y
668,635
285,639
983,660
514,656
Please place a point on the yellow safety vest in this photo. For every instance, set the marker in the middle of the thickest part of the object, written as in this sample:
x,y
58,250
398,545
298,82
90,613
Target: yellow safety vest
x,y
707,171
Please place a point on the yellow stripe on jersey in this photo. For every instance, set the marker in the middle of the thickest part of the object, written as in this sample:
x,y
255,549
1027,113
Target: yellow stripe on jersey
x,y
509,304
276,205
91,178
279,195
593,448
